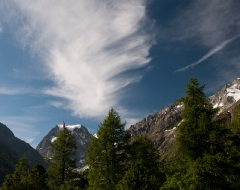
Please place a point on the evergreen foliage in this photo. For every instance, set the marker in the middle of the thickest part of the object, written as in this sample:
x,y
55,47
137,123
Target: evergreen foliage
x,y
37,177
107,153
25,178
204,148
62,162
194,133
145,171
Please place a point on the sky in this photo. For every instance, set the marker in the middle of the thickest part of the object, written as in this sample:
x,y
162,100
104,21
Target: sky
x,y
74,60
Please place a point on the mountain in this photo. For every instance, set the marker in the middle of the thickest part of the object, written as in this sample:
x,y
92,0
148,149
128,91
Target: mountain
x,y
12,149
83,138
227,95
160,127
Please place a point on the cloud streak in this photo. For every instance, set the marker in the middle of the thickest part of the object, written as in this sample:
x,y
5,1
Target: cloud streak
x,y
210,53
85,47
12,91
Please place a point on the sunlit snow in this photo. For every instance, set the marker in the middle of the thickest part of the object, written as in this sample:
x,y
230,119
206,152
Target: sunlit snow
x,y
179,106
70,127
218,105
53,139
234,92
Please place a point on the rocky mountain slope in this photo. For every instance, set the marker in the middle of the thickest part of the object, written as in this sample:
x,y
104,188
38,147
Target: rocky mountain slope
x,y
160,127
12,149
83,138
227,95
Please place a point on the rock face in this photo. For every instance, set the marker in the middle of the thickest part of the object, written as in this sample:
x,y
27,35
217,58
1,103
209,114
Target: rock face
x,y
227,95
160,127
12,149
83,138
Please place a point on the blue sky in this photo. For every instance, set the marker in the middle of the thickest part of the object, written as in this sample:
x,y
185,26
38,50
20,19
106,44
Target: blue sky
x,y
74,60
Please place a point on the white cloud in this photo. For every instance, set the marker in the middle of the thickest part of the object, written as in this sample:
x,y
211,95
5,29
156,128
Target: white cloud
x,y
56,104
132,121
85,46
210,53
12,91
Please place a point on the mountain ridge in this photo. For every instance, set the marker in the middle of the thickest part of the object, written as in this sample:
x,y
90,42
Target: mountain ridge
x,y
160,127
13,148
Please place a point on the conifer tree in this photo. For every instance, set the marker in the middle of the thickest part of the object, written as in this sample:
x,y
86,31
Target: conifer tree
x,y
205,159
107,155
37,178
194,132
62,162
145,171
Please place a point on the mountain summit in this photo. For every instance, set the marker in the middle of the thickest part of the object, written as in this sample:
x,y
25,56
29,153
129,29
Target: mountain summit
x,y
82,135
227,95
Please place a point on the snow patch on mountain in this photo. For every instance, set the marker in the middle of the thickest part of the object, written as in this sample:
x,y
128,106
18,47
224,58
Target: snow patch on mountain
x,y
218,105
234,92
70,127
170,129
53,139
227,95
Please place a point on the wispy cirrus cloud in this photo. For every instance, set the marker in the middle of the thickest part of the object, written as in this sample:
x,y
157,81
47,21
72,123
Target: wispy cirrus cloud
x,y
85,46
12,91
206,23
210,53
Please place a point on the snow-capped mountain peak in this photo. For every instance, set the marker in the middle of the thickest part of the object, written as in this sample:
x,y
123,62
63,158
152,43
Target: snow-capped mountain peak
x,y
70,127
82,137
227,95
234,91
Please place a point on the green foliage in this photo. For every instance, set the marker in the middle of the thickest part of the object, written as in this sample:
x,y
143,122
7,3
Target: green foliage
x,y
25,178
107,154
37,177
62,163
194,132
145,170
208,158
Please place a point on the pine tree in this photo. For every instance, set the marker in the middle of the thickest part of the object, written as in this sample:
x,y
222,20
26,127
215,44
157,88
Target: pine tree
x,y
145,171
62,162
107,157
